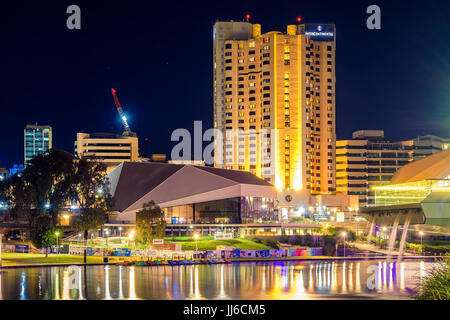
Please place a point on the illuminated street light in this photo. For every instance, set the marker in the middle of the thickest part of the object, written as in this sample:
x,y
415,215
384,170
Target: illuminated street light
x,y
421,241
106,233
1,236
131,236
196,238
384,235
344,234
57,246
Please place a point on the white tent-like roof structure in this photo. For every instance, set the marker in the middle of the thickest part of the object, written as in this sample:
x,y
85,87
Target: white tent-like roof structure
x,y
436,166
168,185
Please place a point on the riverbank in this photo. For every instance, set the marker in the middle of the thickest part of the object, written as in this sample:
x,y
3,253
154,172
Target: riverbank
x,y
20,260
325,258
37,259
306,280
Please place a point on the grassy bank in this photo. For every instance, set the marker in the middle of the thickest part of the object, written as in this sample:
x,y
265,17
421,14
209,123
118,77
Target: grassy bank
x,y
9,259
212,244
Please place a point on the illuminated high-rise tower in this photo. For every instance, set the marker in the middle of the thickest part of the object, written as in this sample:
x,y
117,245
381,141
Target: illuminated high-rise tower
x,y
274,96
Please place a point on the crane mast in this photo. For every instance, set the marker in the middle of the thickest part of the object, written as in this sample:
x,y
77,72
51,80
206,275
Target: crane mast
x,y
127,131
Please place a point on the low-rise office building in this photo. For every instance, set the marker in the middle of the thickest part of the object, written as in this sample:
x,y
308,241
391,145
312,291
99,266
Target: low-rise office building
x,y
368,159
426,145
112,149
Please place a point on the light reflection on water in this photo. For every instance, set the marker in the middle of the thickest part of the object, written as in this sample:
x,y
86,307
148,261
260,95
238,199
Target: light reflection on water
x,y
250,280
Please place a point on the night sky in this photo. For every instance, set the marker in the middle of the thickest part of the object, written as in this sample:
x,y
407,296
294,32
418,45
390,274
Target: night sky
x,y
158,56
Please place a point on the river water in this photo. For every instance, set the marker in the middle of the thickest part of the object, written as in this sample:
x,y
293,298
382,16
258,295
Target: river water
x,y
367,279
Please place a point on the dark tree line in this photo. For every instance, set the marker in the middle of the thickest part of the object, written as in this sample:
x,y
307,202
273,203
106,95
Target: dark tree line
x,y
51,183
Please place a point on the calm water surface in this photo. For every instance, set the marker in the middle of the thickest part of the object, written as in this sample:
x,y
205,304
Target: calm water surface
x,y
382,279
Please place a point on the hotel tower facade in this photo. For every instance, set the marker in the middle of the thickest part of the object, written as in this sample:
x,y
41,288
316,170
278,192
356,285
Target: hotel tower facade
x,y
274,98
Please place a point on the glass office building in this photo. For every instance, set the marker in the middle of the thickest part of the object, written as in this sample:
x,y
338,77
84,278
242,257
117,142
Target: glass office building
x,y
37,140
235,210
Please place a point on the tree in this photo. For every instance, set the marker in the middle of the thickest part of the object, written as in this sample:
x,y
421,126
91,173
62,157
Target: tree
x,y
43,188
53,181
40,192
61,166
43,232
150,223
14,193
90,192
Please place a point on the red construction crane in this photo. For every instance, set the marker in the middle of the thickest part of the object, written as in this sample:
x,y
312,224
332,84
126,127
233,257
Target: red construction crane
x,y
127,131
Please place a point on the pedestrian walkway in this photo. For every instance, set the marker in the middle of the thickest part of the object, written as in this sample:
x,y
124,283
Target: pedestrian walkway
x,y
372,248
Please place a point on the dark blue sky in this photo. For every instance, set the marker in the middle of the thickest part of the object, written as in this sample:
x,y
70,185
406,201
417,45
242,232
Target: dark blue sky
x,y
159,58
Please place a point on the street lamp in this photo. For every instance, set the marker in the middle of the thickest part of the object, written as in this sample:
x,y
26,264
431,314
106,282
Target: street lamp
x,y
106,233
131,235
57,246
1,236
421,241
337,248
343,235
196,238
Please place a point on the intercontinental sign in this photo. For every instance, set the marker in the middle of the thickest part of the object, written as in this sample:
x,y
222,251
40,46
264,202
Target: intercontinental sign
x,y
319,32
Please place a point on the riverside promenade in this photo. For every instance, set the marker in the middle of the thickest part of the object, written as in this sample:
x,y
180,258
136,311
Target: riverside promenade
x,y
39,261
